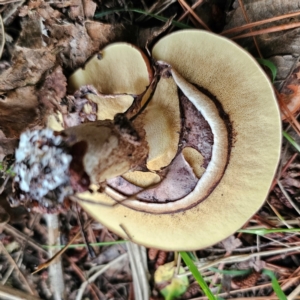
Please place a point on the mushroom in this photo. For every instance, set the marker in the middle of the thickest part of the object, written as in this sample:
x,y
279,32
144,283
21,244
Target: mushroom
x,y
209,174
119,72
201,59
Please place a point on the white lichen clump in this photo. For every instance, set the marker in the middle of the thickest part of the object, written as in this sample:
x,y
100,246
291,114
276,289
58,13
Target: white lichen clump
x,y
42,165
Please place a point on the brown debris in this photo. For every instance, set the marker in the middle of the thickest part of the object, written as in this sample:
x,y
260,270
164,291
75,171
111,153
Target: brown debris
x,y
76,42
27,68
245,282
19,111
53,89
31,34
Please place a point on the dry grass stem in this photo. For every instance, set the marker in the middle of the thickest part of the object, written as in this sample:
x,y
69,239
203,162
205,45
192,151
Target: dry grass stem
x,y
287,113
55,268
157,8
194,6
140,275
276,212
11,260
9,293
267,30
13,10
2,43
2,187
284,192
289,281
3,2
240,258
59,253
258,23
178,263
97,274
250,289
190,10
294,293
248,21
92,287
283,170
11,268
13,231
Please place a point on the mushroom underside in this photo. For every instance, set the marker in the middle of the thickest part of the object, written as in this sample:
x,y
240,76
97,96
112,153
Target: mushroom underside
x,y
229,155
176,150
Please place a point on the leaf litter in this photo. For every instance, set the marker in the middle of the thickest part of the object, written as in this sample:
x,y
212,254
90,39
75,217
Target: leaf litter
x,y
34,67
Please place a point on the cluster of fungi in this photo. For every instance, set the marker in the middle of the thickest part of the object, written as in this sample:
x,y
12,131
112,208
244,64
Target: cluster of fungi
x,y
175,151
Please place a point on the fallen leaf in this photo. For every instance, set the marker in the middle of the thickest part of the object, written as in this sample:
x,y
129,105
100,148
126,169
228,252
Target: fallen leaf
x,y
170,287
231,243
28,67
19,111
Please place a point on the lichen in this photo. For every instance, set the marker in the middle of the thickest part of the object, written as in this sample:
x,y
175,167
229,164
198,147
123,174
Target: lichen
x,y
42,167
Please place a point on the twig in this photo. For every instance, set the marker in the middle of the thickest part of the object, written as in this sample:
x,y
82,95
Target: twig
x,y
11,260
53,258
92,287
187,7
25,238
283,170
11,268
294,293
97,274
289,281
138,264
268,30
2,36
195,5
9,293
248,21
13,10
250,289
288,197
258,23
240,258
55,268
2,187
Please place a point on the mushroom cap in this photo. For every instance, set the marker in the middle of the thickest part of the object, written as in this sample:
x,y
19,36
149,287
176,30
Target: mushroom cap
x,y
120,68
161,121
233,76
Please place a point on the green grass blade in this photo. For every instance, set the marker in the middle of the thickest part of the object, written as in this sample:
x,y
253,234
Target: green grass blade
x,y
231,272
276,287
263,231
267,63
291,140
83,245
160,18
190,264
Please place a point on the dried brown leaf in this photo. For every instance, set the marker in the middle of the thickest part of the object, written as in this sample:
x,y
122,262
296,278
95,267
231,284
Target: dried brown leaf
x,y
245,282
231,243
53,89
27,68
19,110
31,33
78,42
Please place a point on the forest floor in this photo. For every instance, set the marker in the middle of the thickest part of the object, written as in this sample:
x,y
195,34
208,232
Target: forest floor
x,y
41,44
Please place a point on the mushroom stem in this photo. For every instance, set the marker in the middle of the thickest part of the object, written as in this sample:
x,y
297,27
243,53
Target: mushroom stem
x,y
51,166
